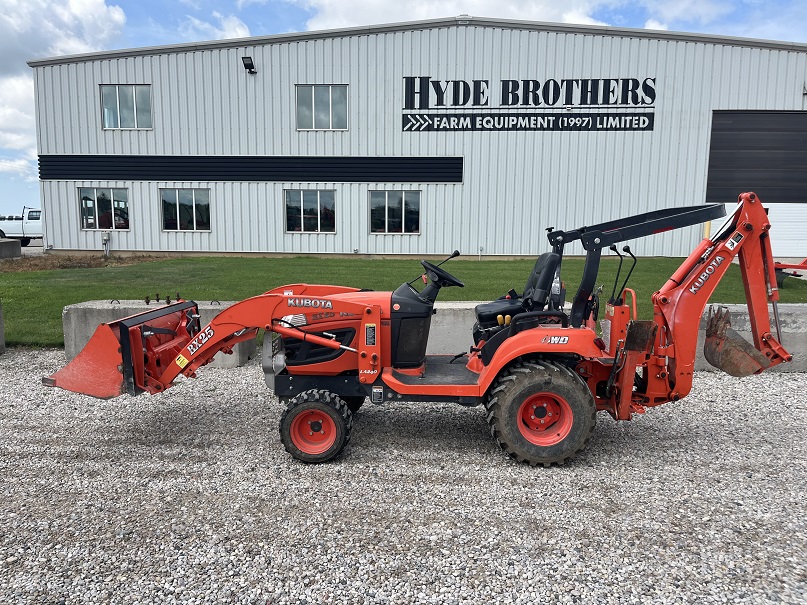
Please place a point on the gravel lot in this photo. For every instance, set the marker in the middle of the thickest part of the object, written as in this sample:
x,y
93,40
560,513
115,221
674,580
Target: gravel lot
x,y
189,497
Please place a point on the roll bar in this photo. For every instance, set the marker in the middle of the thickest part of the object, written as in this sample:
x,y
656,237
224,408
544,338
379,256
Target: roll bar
x,y
597,237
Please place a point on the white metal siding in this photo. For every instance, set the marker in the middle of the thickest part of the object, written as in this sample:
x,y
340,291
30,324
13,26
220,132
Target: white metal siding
x,y
788,226
515,183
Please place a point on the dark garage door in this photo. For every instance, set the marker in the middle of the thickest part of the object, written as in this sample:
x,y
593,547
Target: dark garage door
x,y
761,151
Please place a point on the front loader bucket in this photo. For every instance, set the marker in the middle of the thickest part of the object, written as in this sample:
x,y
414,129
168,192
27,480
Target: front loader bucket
x,y
96,371
726,350
129,355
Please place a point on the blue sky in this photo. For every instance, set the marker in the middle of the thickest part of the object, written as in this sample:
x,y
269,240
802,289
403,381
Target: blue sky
x,y
43,28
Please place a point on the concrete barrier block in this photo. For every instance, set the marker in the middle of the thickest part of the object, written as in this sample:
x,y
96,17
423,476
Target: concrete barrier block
x,y
450,332
793,322
79,322
452,325
10,248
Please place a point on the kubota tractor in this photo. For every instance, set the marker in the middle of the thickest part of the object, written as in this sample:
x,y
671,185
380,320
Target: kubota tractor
x,y
541,372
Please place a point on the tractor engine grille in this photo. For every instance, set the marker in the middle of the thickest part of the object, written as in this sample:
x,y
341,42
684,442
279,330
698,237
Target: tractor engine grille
x,y
412,340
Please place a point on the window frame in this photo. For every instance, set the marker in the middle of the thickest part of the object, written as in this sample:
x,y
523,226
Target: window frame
x,y
314,128
386,193
96,218
302,212
134,106
176,191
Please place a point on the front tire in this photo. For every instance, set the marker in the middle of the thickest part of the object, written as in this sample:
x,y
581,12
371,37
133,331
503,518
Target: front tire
x,y
25,241
315,427
540,412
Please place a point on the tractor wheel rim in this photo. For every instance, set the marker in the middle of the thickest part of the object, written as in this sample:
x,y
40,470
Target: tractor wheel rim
x,y
308,440
545,419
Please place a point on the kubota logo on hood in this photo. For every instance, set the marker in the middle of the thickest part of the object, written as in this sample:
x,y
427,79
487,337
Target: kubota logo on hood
x,y
312,303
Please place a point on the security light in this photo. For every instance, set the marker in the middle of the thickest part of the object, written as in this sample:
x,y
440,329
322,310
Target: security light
x,y
249,65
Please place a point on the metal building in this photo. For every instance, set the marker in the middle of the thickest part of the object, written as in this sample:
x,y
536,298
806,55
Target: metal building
x,y
416,138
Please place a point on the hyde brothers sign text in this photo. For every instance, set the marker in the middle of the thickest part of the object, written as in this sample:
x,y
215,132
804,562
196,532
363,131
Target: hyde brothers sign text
x,y
578,104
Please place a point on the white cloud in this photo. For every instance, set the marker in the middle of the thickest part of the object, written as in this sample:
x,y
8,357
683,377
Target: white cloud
x,y
37,28
330,14
687,11
41,28
240,4
653,24
228,26
16,117
580,17
19,167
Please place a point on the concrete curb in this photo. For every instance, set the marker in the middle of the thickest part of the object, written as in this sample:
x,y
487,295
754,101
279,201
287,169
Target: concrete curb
x,y
10,248
79,322
451,332
450,329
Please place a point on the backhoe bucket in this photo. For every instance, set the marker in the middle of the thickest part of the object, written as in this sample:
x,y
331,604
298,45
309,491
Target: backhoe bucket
x,y
726,350
128,355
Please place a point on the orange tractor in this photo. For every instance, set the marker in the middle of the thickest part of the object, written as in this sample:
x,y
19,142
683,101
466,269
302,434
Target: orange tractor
x,y
541,372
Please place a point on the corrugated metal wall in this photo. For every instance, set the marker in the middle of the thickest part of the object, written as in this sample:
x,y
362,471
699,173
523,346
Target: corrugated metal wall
x,y
515,183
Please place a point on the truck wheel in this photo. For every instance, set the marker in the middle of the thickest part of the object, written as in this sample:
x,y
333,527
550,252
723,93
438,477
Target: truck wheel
x,y
315,427
25,241
540,412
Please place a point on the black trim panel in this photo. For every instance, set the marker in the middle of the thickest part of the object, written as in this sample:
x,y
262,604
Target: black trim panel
x,y
328,169
760,151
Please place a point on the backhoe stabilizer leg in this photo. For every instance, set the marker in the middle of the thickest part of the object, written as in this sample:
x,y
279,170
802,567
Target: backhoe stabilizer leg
x,y
726,350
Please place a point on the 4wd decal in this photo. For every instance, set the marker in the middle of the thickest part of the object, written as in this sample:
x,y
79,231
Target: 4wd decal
x,y
313,303
706,274
555,340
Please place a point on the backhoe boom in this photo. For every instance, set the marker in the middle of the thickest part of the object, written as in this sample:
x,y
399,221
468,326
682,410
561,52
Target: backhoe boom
x,y
680,303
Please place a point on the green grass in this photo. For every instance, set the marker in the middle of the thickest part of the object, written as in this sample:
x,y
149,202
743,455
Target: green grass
x,y
33,300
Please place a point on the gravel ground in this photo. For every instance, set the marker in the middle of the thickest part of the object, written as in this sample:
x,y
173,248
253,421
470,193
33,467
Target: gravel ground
x,y
189,497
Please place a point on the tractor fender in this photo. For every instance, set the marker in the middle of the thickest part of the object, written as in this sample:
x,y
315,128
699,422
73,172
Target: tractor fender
x,y
542,341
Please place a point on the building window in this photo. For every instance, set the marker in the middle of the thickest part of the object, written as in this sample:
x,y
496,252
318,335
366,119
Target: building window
x,y
321,107
102,208
310,211
186,209
395,212
125,106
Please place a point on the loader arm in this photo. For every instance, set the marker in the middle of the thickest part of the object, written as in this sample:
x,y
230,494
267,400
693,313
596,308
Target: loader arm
x,y
147,352
680,303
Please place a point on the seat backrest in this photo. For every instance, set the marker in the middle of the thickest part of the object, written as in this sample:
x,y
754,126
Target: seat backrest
x,y
539,283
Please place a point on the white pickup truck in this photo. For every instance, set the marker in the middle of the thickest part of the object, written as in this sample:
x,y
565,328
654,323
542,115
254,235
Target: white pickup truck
x,y
24,227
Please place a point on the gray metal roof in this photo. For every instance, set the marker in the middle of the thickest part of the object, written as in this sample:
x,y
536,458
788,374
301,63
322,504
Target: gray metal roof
x,y
460,21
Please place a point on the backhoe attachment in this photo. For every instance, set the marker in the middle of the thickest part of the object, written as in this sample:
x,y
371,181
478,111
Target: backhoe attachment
x,y
726,350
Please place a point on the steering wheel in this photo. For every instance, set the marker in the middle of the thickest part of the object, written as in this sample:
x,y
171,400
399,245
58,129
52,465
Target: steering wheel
x,y
441,276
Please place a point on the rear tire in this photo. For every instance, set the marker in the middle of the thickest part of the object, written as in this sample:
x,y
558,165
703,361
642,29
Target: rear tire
x,y
540,412
315,427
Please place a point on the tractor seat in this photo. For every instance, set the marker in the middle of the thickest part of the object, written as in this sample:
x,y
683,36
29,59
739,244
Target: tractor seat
x,y
536,293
